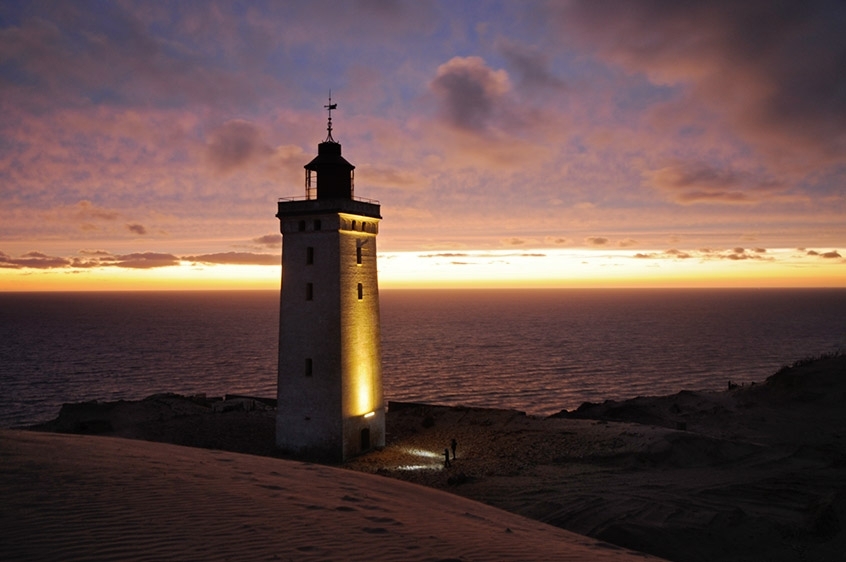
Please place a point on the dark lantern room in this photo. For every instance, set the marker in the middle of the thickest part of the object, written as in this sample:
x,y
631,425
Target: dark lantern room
x,y
329,175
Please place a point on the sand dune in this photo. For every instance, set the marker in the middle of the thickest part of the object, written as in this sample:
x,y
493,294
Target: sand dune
x,y
72,497
751,473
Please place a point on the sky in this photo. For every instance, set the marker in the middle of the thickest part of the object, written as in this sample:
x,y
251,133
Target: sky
x,y
653,143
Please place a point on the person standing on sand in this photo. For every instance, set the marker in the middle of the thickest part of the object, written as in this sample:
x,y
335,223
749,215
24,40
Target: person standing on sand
x,y
454,444
446,458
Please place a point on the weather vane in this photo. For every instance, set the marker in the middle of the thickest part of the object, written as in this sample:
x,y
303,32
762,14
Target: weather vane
x,y
330,107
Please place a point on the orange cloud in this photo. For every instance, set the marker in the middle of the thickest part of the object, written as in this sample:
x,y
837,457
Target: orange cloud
x,y
32,260
235,258
85,210
144,260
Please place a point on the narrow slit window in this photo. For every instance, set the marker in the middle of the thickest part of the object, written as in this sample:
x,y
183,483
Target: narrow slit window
x,y
309,291
309,255
301,226
360,291
309,367
317,224
358,255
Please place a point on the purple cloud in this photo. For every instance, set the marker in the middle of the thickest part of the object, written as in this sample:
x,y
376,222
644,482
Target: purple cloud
x,y
236,144
469,92
775,70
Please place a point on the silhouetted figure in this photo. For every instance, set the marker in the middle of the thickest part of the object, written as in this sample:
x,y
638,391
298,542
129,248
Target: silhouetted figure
x,y
446,458
454,444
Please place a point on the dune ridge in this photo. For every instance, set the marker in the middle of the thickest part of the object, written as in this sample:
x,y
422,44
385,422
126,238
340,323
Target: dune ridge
x,y
74,497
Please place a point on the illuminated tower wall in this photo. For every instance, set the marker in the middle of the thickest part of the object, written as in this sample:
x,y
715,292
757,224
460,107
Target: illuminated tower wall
x,y
330,401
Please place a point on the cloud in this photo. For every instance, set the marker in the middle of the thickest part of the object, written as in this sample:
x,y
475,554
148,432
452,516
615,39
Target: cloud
x,y
123,55
741,254
269,240
444,255
141,260
95,253
706,254
698,182
531,66
85,210
470,92
32,260
144,260
833,254
389,177
136,228
596,240
234,145
678,253
235,258
672,253
775,71
482,255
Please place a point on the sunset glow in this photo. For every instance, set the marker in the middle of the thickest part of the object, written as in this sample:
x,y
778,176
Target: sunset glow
x,y
510,144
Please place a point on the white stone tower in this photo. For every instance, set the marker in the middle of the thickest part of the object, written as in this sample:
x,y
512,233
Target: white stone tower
x,y
330,401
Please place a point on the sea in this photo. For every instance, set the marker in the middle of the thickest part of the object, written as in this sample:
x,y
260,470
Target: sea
x,y
534,350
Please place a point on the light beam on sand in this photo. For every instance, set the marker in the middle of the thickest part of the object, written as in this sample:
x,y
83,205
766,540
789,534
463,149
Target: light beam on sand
x,y
422,454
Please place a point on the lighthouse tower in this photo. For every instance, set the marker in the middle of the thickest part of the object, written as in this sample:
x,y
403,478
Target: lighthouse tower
x,y
330,402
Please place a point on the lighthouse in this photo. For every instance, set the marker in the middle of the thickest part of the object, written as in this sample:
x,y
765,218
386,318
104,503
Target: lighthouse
x,y
330,402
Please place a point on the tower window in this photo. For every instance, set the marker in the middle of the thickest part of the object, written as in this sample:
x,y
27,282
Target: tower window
x,y
358,255
360,291
309,291
353,225
301,226
309,367
317,224
309,255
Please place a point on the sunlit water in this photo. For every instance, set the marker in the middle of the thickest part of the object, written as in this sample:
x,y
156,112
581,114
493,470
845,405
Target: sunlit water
x,y
534,350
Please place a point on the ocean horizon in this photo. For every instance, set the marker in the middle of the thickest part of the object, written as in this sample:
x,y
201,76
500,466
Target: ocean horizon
x,y
534,350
